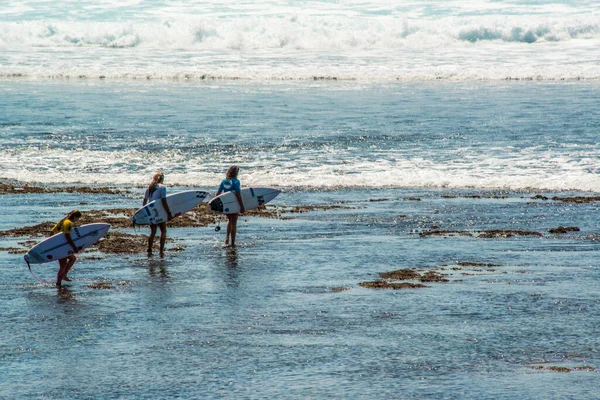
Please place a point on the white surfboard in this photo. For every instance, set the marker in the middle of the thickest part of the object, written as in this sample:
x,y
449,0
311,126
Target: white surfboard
x,y
56,247
227,203
154,213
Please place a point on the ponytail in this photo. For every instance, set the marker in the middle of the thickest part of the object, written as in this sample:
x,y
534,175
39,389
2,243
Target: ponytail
x,y
157,179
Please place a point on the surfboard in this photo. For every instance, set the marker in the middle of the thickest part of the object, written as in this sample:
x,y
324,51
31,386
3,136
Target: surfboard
x,y
154,213
227,203
56,247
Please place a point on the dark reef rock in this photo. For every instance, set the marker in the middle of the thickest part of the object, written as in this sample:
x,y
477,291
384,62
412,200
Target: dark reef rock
x,y
391,285
564,229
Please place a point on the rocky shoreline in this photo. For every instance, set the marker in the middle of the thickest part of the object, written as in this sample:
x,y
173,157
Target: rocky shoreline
x,y
116,242
119,242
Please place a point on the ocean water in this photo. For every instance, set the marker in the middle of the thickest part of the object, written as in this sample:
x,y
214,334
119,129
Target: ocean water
x,y
400,120
488,135
301,40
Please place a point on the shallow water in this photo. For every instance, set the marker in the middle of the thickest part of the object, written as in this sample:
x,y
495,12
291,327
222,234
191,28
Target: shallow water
x,y
263,321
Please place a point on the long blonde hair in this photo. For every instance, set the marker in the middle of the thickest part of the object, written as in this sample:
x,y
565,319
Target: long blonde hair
x,y
232,172
157,179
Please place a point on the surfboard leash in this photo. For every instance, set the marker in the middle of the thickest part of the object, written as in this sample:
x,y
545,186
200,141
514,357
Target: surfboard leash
x,y
218,227
32,274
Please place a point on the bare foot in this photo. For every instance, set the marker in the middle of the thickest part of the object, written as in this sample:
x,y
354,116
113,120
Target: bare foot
x,y
66,278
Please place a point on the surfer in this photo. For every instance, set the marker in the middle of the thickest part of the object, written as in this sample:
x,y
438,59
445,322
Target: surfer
x,y
232,184
65,264
157,191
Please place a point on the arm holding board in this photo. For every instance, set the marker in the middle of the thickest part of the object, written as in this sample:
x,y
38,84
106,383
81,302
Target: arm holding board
x,y
238,196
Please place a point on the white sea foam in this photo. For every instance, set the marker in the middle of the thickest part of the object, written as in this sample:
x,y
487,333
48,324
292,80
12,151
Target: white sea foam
x,y
270,41
299,32
522,170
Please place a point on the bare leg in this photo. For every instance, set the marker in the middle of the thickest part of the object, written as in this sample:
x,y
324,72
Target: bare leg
x,y
151,239
233,228
228,229
62,271
163,237
72,259
70,262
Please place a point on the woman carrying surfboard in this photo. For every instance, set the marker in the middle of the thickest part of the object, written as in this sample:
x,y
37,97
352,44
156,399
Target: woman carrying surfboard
x,y
157,191
65,264
232,184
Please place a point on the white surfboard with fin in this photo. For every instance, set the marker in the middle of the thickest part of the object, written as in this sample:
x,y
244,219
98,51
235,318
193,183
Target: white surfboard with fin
x,y
154,212
56,247
227,203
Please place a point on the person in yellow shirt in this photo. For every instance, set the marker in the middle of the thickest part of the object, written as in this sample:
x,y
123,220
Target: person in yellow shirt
x,y
65,264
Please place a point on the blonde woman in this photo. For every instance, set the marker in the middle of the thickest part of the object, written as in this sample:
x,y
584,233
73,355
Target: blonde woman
x,y
156,191
232,184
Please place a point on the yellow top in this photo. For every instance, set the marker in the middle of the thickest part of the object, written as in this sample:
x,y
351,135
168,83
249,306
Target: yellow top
x,y
63,226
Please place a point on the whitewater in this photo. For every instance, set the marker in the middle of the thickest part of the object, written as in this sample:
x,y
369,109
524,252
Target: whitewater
x,y
370,41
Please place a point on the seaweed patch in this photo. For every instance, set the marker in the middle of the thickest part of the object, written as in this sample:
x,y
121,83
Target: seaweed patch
x,y
564,229
391,285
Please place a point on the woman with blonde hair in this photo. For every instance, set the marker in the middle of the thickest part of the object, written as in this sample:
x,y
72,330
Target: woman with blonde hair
x,y
232,184
156,191
65,226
